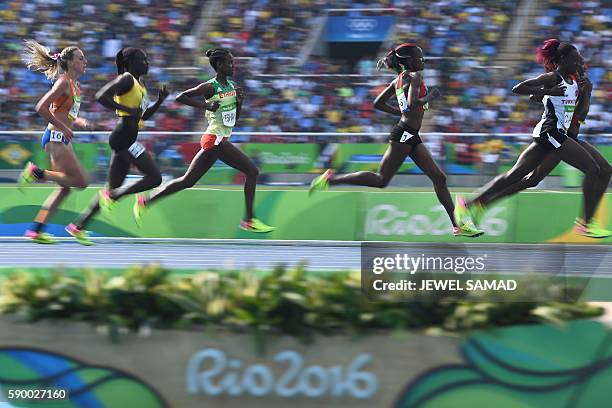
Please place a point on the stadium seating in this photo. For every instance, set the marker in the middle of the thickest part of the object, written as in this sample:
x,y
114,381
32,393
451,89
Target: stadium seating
x,y
460,40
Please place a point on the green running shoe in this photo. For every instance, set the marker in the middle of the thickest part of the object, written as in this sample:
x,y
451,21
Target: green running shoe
x,y
139,208
40,237
106,201
461,213
320,183
467,230
255,225
80,235
593,230
477,211
28,175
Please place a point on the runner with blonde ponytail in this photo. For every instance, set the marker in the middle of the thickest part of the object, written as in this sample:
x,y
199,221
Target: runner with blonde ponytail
x,y
60,108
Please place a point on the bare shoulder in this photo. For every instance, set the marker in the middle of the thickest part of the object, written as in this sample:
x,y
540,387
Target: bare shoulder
x,y
549,78
126,79
62,83
416,76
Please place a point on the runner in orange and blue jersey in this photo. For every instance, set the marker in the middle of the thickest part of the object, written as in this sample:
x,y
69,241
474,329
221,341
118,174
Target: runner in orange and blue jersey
x,y
60,108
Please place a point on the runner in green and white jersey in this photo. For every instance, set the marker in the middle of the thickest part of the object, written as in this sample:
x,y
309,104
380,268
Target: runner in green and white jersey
x,y
221,101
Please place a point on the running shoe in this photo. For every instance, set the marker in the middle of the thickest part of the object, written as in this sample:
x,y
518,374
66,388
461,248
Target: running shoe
x,y
28,175
467,230
579,222
462,212
139,208
477,211
106,201
255,225
80,235
320,183
593,230
40,237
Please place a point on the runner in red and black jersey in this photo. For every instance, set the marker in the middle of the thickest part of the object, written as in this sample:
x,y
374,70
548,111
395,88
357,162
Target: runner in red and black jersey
x,y
404,140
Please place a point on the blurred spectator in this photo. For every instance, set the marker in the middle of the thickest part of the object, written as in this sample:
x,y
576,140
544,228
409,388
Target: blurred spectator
x,y
100,29
585,24
460,38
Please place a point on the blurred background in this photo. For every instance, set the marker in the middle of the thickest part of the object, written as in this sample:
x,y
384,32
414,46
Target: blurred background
x,y
308,67
187,310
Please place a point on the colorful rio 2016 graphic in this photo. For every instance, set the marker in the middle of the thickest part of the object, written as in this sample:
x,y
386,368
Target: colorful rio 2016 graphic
x,y
535,366
359,216
525,366
88,386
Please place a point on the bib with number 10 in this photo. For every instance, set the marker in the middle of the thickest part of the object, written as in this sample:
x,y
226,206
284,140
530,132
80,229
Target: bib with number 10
x,y
56,136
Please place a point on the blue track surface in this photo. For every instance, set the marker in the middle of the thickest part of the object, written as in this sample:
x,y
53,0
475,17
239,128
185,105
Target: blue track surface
x,y
585,260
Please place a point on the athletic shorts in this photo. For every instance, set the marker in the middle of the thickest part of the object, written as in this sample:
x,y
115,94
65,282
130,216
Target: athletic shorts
x,y
551,139
208,141
402,133
53,136
124,134
572,135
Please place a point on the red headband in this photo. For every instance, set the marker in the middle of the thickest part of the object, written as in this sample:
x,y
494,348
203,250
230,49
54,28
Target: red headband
x,y
404,45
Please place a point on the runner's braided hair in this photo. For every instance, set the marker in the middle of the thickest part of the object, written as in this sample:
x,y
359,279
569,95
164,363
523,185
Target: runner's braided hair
x,y
216,55
398,56
123,58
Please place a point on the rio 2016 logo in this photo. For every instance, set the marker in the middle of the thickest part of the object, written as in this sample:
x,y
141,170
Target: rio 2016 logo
x,y
389,220
213,372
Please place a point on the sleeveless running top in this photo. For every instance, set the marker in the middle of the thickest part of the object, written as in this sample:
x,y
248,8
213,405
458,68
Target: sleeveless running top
x,y
136,97
401,95
559,110
68,104
222,121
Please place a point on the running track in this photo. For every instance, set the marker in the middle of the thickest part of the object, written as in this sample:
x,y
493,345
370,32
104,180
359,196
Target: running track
x,y
181,253
319,255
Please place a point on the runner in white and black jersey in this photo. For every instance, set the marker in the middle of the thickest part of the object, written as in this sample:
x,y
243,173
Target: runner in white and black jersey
x,y
551,161
560,90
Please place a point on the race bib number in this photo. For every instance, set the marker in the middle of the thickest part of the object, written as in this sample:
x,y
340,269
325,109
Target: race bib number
x,y
56,136
74,111
405,137
402,101
229,118
568,115
145,102
136,150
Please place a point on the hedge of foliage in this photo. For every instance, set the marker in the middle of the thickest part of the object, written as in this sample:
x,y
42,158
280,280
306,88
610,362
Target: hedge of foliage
x,y
285,301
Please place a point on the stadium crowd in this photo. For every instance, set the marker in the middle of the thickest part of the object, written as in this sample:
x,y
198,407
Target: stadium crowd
x,y
461,39
100,28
